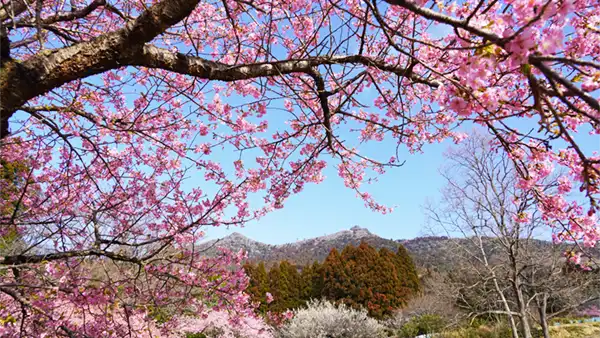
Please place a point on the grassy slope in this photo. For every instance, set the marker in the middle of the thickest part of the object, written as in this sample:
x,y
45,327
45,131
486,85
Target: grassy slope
x,y
585,330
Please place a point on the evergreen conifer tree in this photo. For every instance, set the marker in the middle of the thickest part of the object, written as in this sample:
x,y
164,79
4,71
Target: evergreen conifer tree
x,y
258,285
408,269
334,275
292,284
361,277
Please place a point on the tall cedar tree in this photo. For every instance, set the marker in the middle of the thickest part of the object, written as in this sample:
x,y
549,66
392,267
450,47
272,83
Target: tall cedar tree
x,y
258,285
360,265
294,285
312,282
277,288
390,292
334,276
410,277
362,277
379,281
284,283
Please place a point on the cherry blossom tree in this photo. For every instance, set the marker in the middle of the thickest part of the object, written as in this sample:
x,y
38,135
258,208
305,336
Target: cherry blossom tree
x,y
113,105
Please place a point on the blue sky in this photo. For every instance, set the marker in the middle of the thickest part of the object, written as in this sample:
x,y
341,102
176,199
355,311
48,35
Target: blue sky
x,y
329,207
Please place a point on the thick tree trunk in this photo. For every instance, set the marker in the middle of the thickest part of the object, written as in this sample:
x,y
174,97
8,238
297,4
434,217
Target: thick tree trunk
x,y
3,123
543,317
4,58
525,326
511,319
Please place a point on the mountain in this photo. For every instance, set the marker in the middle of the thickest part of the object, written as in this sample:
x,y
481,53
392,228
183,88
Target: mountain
x,y
438,252
301,252
425,251
236,241
431,251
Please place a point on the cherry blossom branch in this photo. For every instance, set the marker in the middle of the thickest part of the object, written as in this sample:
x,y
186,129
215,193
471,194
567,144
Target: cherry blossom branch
x,y
60,17
32,259
86,59
435,16
533,59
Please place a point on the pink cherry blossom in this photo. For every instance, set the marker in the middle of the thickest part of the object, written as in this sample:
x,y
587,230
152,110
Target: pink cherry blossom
x,y
136,126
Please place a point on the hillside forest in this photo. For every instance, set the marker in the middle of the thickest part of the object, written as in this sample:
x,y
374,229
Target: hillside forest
x,y
380,281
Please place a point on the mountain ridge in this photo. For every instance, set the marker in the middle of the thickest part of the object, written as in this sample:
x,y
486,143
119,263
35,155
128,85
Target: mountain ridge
x,y
308,250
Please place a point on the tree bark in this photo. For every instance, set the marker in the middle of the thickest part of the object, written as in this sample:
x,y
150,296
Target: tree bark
x,y
22,81
543,317
521,303
511,319
525,326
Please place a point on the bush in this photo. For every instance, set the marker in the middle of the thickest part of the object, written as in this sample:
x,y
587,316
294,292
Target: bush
x,y
322,319
423,324
567,320
497,330
195,335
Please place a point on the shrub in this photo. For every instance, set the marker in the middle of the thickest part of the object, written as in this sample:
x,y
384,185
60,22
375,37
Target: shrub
x,y
568,320
426,304
195,335
322,319
497,330
423,324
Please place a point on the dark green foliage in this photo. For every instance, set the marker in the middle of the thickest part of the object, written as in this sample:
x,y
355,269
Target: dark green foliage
x,y
259,284
195,335
424,324
311,279
407,269
360,277
13,178
279,289
290,285
283,281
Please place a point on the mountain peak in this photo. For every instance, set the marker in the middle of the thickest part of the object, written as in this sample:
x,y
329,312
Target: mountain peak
x,y
360,232
305,251
236,235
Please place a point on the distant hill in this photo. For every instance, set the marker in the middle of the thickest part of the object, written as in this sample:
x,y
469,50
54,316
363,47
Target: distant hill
x,y
431,251
439,252
301,252
425,251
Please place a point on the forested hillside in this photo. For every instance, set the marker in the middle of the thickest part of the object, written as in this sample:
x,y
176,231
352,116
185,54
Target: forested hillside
x,y
380,281
433,252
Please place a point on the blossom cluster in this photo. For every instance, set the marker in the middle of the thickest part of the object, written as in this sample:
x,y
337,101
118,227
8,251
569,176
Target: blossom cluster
x,y
119,172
